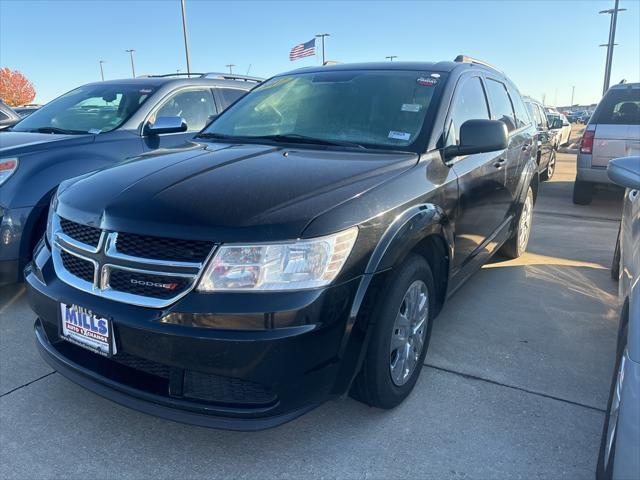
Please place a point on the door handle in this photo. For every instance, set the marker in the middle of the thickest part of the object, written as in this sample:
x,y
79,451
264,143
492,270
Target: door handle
x,y
499,163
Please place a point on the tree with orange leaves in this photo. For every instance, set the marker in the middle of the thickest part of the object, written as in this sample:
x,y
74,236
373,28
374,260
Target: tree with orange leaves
x,y
15,89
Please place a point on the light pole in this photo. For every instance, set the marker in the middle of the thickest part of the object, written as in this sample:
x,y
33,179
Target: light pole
x,y
133,68
186,41
391,57
611,43
102,70
230,67
322,35
573,90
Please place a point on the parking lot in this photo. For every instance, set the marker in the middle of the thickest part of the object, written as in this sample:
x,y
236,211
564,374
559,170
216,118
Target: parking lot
x,y
515,384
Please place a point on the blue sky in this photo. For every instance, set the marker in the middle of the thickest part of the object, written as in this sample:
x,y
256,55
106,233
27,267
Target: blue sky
x,y
545,46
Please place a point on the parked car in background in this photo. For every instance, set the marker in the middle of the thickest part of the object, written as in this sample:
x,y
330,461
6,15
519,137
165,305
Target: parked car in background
x,y
8,116
613,131
575,116
92,127
26,110
620,444
584,118
561,127
545,139
302,250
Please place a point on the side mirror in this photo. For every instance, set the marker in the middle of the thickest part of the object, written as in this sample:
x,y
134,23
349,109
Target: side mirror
x,y
166,125
479,136
625,172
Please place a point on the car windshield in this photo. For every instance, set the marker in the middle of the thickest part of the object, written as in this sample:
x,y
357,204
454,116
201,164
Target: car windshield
x,y
89,109
360,108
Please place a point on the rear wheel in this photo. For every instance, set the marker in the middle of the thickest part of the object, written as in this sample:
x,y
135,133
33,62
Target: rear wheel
x,y
399,341
551,168
582,193
517,244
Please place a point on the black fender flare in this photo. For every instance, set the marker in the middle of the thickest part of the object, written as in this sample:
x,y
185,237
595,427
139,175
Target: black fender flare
x,y
405,232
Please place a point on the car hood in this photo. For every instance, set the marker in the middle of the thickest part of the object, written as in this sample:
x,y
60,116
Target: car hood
x,y
226,193
15,143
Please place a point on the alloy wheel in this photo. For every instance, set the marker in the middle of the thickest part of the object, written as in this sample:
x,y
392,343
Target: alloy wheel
x,y
409,332
525,222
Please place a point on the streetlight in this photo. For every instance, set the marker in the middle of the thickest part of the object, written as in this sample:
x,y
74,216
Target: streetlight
x,y
133,68
322,35
391,57
102,70
186,41
611,43
230,66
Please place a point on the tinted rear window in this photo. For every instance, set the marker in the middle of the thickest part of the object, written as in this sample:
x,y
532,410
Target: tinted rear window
x,y
619,107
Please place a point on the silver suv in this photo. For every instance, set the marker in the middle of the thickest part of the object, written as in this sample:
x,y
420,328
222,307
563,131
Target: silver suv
x,y
613,131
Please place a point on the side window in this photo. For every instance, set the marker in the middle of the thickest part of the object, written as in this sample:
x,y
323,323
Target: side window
x,y
194,106
535,114
3,116
230,95
543,117
469,103
522,114
501,103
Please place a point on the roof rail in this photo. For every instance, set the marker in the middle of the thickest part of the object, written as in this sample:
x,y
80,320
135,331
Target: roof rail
x,y
215,75
232,76
468,59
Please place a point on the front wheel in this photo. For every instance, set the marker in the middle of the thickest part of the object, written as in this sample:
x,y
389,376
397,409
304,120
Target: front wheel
x,y
401,332
517,244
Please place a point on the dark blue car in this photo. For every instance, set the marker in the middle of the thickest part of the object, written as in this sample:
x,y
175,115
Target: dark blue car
x,y
94,127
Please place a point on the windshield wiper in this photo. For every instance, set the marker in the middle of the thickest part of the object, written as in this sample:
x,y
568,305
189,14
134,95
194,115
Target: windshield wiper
x,y
219,136
297,138
62,131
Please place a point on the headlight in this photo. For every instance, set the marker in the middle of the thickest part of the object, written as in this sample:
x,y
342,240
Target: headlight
x,y
53,204
296,265
7,167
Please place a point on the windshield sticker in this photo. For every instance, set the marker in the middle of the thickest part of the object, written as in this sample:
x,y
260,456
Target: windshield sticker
x,y
95,131
411,107
399,135
427,81
435,75
145,90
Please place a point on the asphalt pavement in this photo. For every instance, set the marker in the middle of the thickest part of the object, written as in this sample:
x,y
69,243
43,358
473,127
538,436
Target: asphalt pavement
x,y
515,385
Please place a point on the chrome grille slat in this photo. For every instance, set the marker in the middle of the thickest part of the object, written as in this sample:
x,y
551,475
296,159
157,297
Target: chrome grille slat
x,y
142,281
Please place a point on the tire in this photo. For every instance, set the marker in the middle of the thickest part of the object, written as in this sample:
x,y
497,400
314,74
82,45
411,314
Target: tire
x,y
379,384
604,467
551,168
517,244
582,193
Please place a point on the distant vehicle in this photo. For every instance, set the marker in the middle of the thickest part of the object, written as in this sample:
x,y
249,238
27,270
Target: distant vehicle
x,y
573,117
26,110
613,131
93,127
620,443
8,116
584,118
546,139
299,252
561,126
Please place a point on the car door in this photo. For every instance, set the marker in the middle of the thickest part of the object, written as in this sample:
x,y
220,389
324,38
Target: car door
x,y
194,105
542,137
483,198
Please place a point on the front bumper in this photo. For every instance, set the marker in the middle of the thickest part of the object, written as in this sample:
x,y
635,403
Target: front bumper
x,y
219,377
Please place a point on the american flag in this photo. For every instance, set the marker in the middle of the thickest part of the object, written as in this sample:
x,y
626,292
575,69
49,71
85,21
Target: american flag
x,y
303,50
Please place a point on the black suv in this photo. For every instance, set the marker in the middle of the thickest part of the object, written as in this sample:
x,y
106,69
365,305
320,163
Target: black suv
x,y
92,127
546,140
300,251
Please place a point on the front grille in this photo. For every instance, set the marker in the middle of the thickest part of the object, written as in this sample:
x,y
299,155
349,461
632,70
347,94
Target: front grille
x,y
81,233
142,364
162,248
215,388
147,285
77,266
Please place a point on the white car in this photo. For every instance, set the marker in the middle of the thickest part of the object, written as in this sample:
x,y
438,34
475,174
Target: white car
x,y
563,133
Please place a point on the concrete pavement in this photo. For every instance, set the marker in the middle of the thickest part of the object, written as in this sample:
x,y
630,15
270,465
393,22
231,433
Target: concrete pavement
x,y
515,385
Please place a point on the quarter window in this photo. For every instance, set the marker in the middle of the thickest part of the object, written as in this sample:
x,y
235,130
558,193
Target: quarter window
x,y
501,103
193,106
522,114
470,103
230,95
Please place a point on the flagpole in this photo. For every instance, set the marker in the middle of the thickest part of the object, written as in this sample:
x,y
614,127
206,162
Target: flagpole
x,y
322,35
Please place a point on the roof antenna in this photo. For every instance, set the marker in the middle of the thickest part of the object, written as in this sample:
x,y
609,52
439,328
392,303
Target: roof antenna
x,y
248,70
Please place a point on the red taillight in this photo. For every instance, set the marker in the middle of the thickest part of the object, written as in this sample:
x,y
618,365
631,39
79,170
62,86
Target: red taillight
x,y
586,145
8,165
